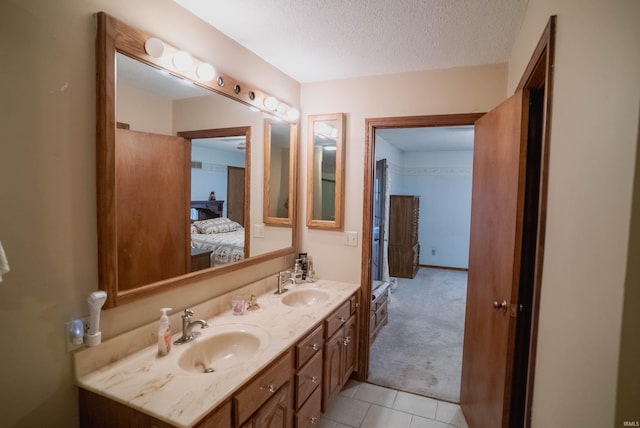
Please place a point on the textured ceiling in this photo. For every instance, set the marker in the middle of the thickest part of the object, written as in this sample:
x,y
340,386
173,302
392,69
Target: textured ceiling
x,y
316,40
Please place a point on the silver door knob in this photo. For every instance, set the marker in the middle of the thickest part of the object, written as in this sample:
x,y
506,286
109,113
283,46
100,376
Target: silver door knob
x,y
497,306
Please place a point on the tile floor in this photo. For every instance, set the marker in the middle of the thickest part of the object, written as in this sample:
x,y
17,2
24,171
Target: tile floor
x,y
363,405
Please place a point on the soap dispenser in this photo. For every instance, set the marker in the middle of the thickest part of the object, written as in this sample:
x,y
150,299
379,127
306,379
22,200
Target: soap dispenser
x,y
164,333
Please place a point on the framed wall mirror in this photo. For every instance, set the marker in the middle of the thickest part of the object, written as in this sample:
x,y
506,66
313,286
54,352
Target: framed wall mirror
x,y
173,141
325,171
279,172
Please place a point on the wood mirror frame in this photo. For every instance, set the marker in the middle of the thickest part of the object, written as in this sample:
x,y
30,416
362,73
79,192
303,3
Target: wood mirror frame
x,y
115,36
313,197
271,199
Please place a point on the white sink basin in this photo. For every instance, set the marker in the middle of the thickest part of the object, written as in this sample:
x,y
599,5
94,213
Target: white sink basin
x,y
305,297
226,347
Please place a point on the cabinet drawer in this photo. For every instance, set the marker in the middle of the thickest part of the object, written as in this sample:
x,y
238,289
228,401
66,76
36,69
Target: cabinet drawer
x,y
381,313
308,379
309,414
336,319
353,303
262,387
219,418
382,300
309,346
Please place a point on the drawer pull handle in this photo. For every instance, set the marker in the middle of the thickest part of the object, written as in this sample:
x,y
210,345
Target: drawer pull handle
x,y
342,319
358,305
315,346
313,420
346,341
271,388
314,379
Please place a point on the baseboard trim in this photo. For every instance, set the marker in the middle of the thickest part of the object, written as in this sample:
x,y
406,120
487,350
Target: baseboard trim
x,y
445,267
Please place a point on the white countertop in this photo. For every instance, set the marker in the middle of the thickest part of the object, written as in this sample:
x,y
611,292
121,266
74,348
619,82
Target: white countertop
x,y
159,387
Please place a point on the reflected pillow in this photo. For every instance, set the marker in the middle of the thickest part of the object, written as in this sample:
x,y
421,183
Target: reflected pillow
x,y
216,225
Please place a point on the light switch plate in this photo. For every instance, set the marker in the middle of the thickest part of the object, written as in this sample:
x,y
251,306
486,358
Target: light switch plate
x,y
258,230
351,239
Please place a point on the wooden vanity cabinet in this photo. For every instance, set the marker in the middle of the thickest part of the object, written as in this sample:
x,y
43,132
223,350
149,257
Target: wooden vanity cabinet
x,y
275,413
266,401
340,350
97,411
292,391
308,391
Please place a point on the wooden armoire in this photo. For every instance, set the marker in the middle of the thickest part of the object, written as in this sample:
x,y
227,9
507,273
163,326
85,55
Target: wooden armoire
x,y
404,248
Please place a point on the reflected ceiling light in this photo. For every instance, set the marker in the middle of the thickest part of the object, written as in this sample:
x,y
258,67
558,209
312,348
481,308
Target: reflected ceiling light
x,y
205,72
293,114
271,103
281,109
154,47
329,148
182,61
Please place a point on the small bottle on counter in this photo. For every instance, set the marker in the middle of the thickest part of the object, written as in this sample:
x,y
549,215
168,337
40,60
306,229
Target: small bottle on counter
x,y
164,333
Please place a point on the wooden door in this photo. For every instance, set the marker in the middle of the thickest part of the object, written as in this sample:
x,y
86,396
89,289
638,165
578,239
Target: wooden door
x,y
499,172
332,373
152,201
275,413
235,194
350,351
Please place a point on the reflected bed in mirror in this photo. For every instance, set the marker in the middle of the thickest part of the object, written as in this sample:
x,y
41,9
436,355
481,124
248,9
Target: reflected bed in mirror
x,y
325,171
175,170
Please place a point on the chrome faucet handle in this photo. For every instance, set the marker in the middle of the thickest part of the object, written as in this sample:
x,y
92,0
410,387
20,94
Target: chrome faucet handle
x,y
188,313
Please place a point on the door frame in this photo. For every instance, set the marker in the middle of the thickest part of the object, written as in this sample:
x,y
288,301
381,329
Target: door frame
x,y
538,75
372,125
238,131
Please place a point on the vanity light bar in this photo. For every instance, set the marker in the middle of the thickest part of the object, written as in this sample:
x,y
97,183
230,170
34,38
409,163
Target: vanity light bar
x,y
184,65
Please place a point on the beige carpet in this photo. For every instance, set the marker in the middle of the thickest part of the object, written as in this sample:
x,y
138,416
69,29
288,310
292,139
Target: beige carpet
x,y
420,349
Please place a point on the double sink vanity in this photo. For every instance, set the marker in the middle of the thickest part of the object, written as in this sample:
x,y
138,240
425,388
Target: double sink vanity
x,y
277,366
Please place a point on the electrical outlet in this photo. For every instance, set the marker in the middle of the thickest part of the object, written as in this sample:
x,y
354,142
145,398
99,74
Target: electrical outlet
x,y
351,239
258,230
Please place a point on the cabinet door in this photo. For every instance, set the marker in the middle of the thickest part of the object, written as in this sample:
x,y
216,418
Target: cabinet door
x,y
350,348
275,413
332,376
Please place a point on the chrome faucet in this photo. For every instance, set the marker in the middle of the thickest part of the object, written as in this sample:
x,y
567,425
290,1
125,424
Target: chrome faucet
x,y
187,326
282,281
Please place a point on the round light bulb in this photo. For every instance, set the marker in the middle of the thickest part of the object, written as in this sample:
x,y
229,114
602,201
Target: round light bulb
x,y
182,61
154,47
271,103
205,72
293,114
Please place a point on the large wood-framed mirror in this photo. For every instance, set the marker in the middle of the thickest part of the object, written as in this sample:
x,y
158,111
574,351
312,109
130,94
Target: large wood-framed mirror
x,y
325,171
210,126
279,171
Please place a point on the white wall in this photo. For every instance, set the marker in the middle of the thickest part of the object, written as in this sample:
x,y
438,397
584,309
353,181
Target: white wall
x,y
213,175
443,182
48,188
594,134
456,90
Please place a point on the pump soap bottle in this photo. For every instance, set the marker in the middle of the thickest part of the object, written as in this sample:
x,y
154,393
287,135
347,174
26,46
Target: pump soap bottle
x,y
164,333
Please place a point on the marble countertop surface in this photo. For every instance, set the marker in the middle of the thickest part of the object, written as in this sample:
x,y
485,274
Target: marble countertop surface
x,y
157,386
